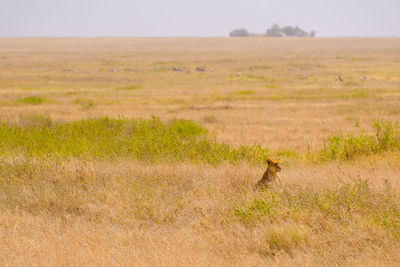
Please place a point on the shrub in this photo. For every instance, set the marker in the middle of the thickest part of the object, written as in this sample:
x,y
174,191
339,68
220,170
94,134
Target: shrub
x,y
152,140
239,33
386,137
276,31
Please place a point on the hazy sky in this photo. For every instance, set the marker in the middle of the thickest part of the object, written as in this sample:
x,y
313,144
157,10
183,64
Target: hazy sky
x,y
196,17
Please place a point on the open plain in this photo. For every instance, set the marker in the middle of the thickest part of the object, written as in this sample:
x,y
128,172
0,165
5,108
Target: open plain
x,y
145,151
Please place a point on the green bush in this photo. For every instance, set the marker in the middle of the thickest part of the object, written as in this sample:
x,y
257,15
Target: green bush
x,y
386,137
152,140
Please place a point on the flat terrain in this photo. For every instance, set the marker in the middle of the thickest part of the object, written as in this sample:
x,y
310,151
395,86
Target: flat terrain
x,y
165,191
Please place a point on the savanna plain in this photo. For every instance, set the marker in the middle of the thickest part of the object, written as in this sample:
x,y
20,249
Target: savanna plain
x,y
134,151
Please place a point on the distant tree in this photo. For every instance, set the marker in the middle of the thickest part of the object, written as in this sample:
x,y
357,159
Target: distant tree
x,y
239,33
289,31
276,31
275,27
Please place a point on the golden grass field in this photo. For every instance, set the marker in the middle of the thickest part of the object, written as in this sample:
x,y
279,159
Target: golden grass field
x,y
280,94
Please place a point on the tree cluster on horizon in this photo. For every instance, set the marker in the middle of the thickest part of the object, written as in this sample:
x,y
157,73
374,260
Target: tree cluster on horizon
x,y
275,31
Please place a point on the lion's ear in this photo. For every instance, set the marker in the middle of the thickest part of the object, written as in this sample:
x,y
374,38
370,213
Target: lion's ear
x,y
269,161
279,161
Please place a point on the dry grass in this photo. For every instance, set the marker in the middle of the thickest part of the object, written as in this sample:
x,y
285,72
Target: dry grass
x,y
81,212
88,210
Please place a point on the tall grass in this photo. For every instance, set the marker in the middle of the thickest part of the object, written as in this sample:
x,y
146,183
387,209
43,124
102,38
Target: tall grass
x,y
174,141
355,204
152,140
386,137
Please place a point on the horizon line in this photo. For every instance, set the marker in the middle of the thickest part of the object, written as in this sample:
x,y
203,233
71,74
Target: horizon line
x,y
191,36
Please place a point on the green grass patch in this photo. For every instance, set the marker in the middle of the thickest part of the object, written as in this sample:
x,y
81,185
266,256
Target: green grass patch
x,y
31,100
287,153
346,204
222,98
79,100
30,88
355,94
245,92
271,86
385,137
321,96
151,140
130,87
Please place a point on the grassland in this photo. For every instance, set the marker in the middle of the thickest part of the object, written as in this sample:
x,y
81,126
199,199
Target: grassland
x,y
109,156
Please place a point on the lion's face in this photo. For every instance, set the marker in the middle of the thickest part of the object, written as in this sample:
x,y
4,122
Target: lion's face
x,y
275,165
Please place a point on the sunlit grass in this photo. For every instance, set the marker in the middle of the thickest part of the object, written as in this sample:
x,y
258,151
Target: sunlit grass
x,y
130,87
32,100
346,204
95,177
244,92
386,137
151,140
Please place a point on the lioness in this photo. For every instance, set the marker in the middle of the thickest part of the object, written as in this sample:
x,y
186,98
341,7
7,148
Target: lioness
x,y
271,175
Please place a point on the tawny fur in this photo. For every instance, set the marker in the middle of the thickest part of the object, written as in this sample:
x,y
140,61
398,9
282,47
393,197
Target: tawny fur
x,y
271,175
